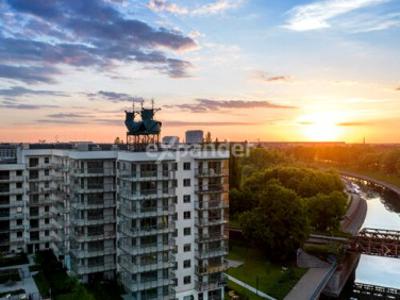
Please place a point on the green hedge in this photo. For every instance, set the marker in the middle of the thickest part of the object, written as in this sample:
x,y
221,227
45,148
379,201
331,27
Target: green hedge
x,y
9,275
15,260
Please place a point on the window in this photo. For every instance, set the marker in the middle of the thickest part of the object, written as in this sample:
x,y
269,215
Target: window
x,y
19,234
19,185
187,280
186,231
186,166
186,263
186,182
46,172
19,197
46,233
19,221
46,208
19,172
46,160
186,198
186,248
186,215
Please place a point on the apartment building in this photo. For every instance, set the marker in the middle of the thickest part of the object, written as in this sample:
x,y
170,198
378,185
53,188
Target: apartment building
x,y
154,220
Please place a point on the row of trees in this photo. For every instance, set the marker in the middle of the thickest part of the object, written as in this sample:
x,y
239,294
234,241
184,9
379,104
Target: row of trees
x,y
383,158
277,205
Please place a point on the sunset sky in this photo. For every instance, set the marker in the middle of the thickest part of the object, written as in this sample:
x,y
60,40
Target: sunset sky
x,y
277,70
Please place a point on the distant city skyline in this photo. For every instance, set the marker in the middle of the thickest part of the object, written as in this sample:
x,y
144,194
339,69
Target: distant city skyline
x,y
293,70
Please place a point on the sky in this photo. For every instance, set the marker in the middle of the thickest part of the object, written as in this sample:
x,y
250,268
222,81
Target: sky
x,y
271,70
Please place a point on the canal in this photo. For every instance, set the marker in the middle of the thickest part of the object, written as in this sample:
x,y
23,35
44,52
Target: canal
x,y
383,213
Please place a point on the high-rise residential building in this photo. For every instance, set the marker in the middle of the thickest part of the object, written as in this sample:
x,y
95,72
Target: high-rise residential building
x,y
155,220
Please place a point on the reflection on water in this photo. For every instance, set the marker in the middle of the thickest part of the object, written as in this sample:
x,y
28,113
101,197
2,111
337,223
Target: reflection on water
x,y
383,213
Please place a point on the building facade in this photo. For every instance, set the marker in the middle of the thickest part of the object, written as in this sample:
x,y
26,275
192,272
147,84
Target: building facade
x,y
155,220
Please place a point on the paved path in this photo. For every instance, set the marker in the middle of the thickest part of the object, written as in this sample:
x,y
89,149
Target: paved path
x,y
367,178
250,288
310,285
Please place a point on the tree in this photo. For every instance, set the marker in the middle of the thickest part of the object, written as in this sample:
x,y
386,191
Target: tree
x,y
208,139
117,141
278,225
325,211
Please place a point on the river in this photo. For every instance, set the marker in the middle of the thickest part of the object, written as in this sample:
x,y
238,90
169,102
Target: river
x,y
383,213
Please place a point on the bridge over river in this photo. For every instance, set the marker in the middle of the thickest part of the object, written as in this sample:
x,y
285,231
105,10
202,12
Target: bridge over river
x,y
369,241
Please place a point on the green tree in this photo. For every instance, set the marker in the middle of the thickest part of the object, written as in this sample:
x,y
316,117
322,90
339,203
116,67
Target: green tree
x,y
278,225
325,211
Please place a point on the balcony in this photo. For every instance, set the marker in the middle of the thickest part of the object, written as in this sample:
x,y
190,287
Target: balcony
x,y
136,285
158,211
208,286
81,270
93,204
205,238
93,172
90,237
211,188
210,205
203,222
148,230
204,270
217,172
147,248
147,194
78,253
93,220
133,268
205,254
147,175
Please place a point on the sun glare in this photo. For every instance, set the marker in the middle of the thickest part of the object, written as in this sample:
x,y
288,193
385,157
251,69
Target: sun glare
x,y
320,127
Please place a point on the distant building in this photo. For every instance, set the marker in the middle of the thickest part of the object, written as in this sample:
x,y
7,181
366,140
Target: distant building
x,y
170,140
194,136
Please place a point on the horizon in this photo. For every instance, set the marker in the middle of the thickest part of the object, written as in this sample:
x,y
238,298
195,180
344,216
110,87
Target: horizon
x,y
285,71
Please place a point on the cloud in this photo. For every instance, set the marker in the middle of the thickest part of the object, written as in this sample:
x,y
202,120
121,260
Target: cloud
x,y
59,121
208,124
25,106
265,77
215,7
91,33
17,91
318,14
115,97
370,23
66,115
398,89
28,74
208,105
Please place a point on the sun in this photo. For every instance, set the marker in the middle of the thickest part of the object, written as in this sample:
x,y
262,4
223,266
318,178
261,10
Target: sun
x,y
321,126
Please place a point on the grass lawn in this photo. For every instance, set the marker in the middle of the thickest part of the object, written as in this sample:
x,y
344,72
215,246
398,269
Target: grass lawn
x,y
241,292
271,278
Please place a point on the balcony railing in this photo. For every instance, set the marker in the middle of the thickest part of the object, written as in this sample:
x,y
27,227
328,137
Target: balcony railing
x,y
93,220
133,268
89,237
147,248
93,172
147,175
205,286
78,253
147,230
204,270
210,172
209,253
138,285
209,205
210,221
80,269
147,194
145,213
203,238
210,188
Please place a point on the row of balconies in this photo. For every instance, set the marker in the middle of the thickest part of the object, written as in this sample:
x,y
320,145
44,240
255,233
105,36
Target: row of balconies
x,y
14,191
12,178
93,172
211,188
209,172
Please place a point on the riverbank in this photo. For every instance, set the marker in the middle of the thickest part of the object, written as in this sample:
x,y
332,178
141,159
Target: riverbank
x,y
385,184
